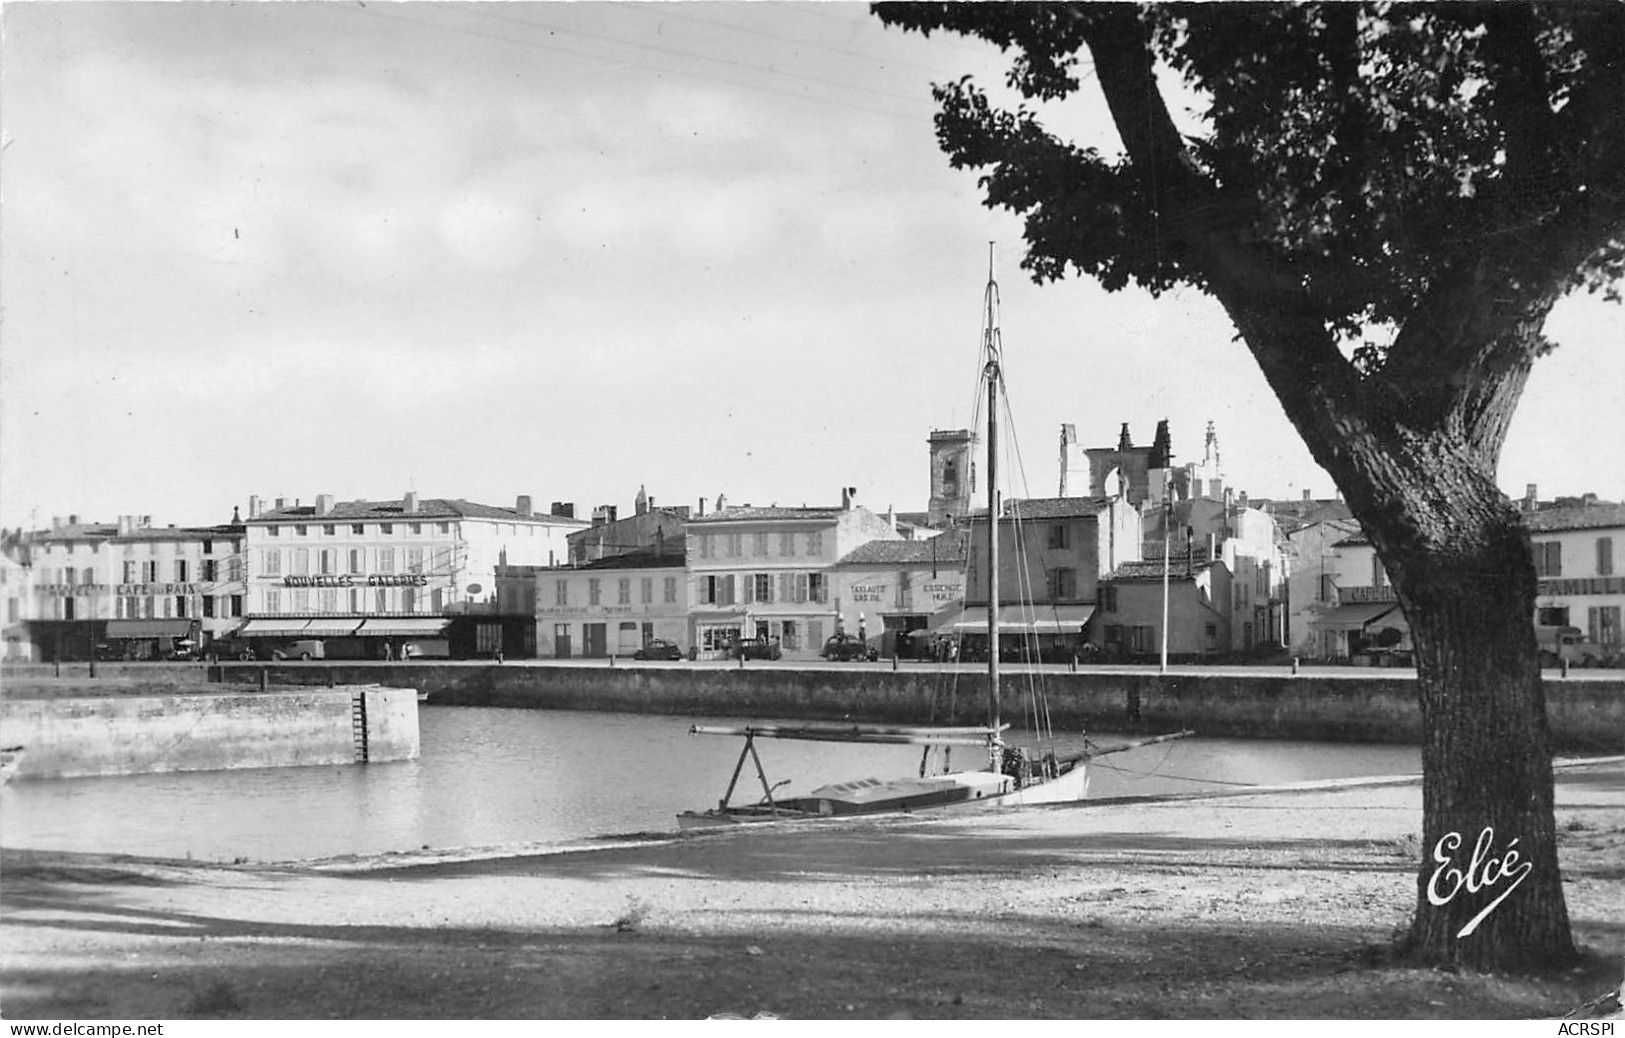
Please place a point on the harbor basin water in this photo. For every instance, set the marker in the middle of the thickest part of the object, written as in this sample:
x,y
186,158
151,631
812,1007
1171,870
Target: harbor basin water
x,y
491,777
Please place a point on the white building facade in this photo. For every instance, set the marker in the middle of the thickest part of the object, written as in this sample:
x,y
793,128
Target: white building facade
x,y
384,570
770,573
1579,581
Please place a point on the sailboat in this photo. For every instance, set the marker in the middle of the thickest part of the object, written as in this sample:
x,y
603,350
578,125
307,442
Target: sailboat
x,y
1012,775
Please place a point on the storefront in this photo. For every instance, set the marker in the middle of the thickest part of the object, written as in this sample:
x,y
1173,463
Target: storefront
x,y
1048,633
148,639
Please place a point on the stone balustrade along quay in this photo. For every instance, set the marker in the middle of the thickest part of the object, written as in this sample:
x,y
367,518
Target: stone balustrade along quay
x,y
1586,713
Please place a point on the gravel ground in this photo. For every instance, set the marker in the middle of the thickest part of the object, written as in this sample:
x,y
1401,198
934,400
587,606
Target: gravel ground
x,y
1272,905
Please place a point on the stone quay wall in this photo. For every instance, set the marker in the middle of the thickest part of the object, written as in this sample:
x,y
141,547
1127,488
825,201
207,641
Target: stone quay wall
x,y
71,733
1586,714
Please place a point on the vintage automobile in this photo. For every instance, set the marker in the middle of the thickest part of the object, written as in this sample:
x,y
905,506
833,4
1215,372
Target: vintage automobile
x,y
755,649
846,647
658,649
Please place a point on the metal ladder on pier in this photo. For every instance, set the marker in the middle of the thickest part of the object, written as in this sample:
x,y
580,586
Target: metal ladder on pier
x,y
358,724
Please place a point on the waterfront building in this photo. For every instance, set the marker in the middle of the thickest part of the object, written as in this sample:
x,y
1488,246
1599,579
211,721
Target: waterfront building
x,y
366,576
900,587
1359,620
1198,595
124,590
1578,582
611,606
1053,553
17,593
768,572
650,528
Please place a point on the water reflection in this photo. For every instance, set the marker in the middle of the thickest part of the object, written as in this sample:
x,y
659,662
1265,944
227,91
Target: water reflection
x,y
496,776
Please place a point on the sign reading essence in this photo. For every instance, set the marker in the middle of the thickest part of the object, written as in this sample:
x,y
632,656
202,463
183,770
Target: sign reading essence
x,y
360,580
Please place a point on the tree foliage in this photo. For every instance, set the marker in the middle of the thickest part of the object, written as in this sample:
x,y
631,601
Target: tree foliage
x,y
1358,159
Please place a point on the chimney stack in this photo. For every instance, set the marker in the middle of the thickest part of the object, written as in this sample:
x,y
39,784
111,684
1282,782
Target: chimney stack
x,y
253,506
1306,496
324,504
522,506
1529,497
409,502
281,503
702,506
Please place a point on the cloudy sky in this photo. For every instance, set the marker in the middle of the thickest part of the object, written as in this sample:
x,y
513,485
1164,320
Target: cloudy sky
x,y
566,250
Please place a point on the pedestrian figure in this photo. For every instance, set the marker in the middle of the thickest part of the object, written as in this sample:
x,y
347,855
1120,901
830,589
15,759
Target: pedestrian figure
x,y
389,650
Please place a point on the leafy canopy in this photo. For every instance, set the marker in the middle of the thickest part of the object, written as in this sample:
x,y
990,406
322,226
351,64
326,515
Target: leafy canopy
x,y
1359,153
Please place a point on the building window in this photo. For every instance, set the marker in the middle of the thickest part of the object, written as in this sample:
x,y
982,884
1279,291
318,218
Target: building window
x,y
301,562
561,592
705,545
817,587
1114,635
594,590
273,531
129,572
210,570
355,600
273,601
181,575
735,545
386,560
301,600
358,529
236,605
1605,556
901,599
1108,598
415,527
759,543
149,572
671,589
409,599
1060,536
358,557
761,587
414,560
443,527
1548,559
330,530
437,600
301,529
787,544
386,528
324,561
1212,633
327,599
623,591
1603,624
1142,637
1552,616
1063,583
815,543
646,588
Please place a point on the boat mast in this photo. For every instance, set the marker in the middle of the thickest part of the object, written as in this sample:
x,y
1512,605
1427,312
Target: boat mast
x,y
990,372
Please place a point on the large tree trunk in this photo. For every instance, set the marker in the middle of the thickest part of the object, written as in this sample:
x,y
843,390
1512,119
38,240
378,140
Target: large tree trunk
x,y
1488,834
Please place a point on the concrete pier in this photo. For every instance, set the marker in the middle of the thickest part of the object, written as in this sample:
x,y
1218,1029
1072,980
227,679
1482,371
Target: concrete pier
x,y
80,730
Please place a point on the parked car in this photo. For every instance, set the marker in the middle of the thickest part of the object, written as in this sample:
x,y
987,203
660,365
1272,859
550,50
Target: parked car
x,y
229,648
755,649
845,647
303,649
658,649
1558,644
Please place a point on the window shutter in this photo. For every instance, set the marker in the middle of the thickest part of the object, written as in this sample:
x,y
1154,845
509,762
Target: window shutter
x,y
728,590
801,587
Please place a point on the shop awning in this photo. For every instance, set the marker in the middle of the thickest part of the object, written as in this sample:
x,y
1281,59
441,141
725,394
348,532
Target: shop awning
x,y
148,628
1057,619
1352,617
273,628
404,627
330,628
